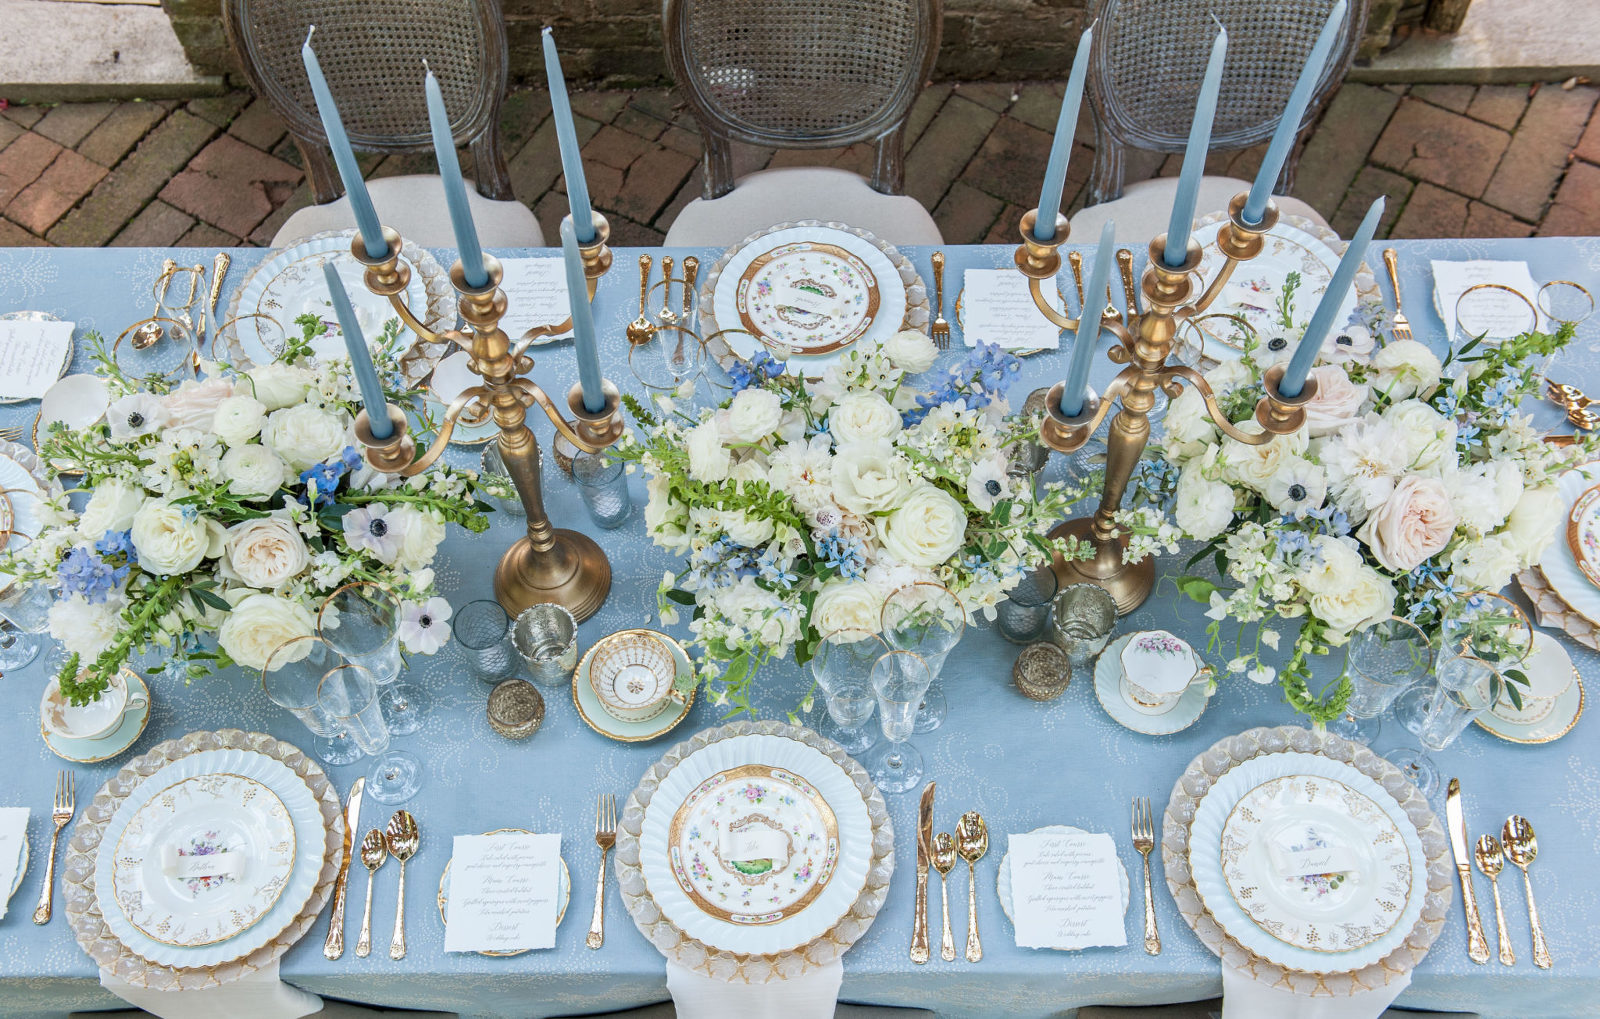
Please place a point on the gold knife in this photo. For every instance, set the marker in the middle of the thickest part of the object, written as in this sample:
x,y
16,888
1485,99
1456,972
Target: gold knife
x,y
333,947
919,928
1477,944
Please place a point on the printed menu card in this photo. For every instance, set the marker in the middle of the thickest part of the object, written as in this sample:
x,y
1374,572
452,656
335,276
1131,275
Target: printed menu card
x,y
1065,890
32,357
998,308
503,892
536,295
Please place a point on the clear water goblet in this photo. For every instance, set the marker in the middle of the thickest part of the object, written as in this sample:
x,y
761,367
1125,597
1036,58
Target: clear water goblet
x,y
929,619
842,667
290,679
25,608
899,681
361,621
349,696
1491,312
1381,662
1464,687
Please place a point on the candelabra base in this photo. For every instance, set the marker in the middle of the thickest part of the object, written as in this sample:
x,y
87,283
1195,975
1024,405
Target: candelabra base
x,y
574,574
1129,584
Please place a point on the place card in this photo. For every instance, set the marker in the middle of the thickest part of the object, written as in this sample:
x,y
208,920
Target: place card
x,y
503,892
997,307
536,295
32,356
1065,890
13,839
1452,279
1329,858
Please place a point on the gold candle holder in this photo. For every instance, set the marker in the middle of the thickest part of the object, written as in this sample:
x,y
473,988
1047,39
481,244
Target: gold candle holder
x,y
1144,342
547,564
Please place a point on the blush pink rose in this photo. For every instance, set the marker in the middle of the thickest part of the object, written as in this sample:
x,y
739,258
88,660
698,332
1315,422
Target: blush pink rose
x,y
1337,403
1414,523
194,404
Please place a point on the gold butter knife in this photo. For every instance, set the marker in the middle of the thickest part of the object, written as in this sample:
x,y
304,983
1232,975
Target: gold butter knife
x,y
919,927
1477,944
333,947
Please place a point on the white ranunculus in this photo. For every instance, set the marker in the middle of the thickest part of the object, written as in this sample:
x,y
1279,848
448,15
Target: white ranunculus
x,y
804,472
1365,597
1484,494
1332,563
1363,463
709,459
1256,465
1429,437
421,531
238,419
911,351
861,417
253,471
926,529
1534,523
110,508
275,385
1486,564
134,415
267,552
869,477
754,414
847,605
193,404
1337,402
1204,508
304,435
85,629
1406,368
259,624
169,538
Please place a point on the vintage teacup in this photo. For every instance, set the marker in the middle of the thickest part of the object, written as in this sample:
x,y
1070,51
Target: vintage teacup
x,y
1549,672
1157,668
96,719
632,673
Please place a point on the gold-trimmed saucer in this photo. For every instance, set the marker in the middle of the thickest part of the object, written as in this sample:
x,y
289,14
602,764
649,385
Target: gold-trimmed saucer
x,y
597,718
120,739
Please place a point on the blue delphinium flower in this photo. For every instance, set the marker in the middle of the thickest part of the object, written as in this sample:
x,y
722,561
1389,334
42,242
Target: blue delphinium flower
x,y
114,543
84,573
761,368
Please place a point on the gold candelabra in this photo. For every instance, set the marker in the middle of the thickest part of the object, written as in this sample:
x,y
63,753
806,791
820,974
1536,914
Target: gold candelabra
x,y
548,564
1144,341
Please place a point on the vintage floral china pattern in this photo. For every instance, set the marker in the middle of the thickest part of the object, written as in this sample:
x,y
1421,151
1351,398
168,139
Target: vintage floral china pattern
x,y
842,289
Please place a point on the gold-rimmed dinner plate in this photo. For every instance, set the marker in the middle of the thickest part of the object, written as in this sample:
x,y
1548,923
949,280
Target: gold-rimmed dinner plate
x,y
1583,533
563,893
808,298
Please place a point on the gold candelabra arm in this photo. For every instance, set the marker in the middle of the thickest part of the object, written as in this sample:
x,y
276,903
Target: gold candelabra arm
x,y
388,276
589,432
1239,242
1041,260
397,454
1067,435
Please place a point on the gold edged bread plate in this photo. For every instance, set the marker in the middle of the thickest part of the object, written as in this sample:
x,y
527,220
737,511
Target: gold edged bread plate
x,y
563,894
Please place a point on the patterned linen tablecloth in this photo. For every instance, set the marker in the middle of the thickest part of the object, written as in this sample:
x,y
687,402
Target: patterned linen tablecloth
x,y
1021,763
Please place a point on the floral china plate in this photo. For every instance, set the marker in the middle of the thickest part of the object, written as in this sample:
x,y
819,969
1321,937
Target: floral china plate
x,y
1110,690
563,893
809,297
117,741
1560,566
1583,533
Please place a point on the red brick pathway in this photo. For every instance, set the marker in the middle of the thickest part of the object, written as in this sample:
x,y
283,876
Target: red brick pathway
x,y
1455,160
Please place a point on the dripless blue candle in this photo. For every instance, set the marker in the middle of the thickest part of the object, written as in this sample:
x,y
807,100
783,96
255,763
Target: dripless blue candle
x,y
567,141
1289,124
360,359
1055,171
594,398
343,156
1294,376
455,189
1076,389
1194,154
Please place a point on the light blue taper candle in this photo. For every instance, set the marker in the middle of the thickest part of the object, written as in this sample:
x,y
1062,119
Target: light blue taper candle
x,y
594,398
1305,355
1077,387
1194,154
455,189
1289,124
1055,171
567,140
343,157
360,359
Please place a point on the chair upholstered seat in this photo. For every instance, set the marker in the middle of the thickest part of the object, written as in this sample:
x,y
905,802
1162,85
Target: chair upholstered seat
x,y
415,207
770,197
1144,208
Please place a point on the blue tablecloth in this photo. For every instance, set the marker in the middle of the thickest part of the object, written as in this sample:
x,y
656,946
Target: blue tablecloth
x,y
1022,764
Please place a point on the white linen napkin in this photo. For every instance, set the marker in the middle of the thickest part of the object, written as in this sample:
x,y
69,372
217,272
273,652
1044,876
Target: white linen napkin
x,y
260,995
812,996
1244,997
13,837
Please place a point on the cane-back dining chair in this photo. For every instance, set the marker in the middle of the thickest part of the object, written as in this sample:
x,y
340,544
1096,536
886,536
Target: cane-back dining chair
x,y
1144,74
372,54
786,75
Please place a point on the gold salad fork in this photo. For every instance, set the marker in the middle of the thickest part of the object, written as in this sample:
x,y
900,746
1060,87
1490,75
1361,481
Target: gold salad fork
x,y
60,814
605,836
1402,327
939,330
1144,840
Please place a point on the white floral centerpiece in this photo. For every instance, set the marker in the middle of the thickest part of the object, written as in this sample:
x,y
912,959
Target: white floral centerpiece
x,y
1415,483
801,505
232,506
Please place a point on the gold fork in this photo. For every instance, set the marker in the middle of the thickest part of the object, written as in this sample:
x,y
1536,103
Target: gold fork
x,y
60,814
940,329
1144,840
605,836
11,434
1402,327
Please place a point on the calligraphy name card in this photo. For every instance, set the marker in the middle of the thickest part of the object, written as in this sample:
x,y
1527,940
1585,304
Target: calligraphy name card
x,y
32,357
13,837
1065,890
503,892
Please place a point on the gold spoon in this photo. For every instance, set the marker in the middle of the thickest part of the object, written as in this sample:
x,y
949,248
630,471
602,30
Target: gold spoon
x,y
1522,847
691,269
1490,862
401,837
147,335
640,330
666,314
972,841
944,860
373,852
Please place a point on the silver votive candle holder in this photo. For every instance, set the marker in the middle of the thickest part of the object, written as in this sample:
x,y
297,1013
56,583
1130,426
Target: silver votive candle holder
x,y
1042,671
516,709
546,637
1084,617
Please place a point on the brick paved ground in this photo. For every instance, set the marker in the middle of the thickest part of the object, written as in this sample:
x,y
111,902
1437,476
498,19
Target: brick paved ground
x,y
1455,160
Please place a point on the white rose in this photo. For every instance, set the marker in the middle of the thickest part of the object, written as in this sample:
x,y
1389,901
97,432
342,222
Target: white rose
x,y
193,404
754,414
238,419
1337,402
910,351
170,539
1485,565
847,605
1484,494
1365,597
1534,522
749,531
1228,376
928,528
1407,368
1256,465
304,435
1331,564
1204,508
708,457
664,516
266,552
868,477
861,417
1186,419
253,471
259,624
110,508
275,385
420,534
1429,437
83,629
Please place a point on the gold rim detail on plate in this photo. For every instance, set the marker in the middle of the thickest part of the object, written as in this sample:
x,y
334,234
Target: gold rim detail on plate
x,y
1576,715
761,261
132,677
582,670
1575,518
443,899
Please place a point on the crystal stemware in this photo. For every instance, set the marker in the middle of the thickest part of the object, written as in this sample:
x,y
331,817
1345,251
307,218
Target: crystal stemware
x,y
290,680
348,695
842,667
928,619
899,680
25,608
1464,687
1381,662
361,621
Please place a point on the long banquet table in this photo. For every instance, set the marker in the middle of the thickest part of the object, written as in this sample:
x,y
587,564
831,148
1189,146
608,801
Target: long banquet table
x,y
1021,763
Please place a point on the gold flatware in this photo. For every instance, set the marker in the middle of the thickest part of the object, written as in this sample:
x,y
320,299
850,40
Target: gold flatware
x,y
919,921
374,850
640,330
1130,289
1522,847
972,841
1144,840
666,314
1566,395
691,269
401,838
60,813
1477,944
944,860
333,947
1075,260
939,330
11,434
1402,326
1490,862
150,333
605,836
1584,417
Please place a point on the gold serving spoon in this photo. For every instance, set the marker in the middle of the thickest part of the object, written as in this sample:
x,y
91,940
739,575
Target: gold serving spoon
x,y
1490,862
401,838
944,860
1522,847
640,330
972,841
147,335
374,850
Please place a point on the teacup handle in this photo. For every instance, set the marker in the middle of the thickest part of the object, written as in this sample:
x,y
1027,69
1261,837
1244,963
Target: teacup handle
x,y
138,700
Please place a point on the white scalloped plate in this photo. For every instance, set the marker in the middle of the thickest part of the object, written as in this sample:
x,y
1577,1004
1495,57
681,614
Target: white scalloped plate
x,y
1557,563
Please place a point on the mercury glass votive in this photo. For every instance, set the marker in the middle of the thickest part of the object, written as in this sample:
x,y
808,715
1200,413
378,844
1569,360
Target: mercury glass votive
x,y
1085,616
546,636
516,709
1042,671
